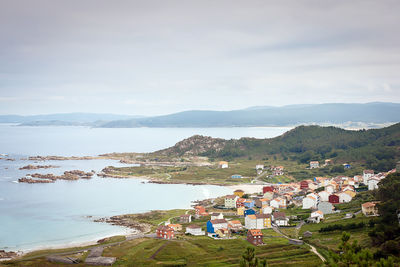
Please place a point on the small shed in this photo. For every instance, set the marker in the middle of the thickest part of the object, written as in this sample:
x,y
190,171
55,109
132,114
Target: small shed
x,y
307,234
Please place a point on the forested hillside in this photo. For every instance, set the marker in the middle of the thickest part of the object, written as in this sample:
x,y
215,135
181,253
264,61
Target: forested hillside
x,y
377,148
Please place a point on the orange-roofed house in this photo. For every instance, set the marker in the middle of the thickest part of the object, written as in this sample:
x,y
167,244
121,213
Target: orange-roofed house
x,y
176,227
239,192
200,211
223,164
317,216
235,225
255,237
369,209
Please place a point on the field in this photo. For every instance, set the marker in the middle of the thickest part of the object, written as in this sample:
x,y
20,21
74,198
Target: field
x,y
211,174
325,241
198,251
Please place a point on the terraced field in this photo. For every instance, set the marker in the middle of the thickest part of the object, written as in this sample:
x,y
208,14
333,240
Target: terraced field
x,y
202,251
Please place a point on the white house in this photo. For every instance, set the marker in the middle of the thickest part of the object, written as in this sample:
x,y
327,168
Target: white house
x,y
330,189
367,174
349,188
250,221
373,183
266,210
259,167
215,216
324,196
194,230
317,216
280,219
309,202
275,203
219,224
344,198
314,164
230,201
282,202
257,221
223,164
314,195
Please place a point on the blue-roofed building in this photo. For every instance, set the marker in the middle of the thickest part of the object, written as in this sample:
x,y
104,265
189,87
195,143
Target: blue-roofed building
x,y
249,203
347,166
236,176
249,212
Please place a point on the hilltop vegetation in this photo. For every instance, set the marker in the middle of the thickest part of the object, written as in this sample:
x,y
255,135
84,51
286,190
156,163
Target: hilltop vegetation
x,y
377,149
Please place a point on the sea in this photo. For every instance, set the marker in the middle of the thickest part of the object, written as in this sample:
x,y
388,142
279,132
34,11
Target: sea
x,y
38,216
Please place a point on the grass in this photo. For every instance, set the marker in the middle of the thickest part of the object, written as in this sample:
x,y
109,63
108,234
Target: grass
x,y
330,240
155,217
202,251
213,175
198,251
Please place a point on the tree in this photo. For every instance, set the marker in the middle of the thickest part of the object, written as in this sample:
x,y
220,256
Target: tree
x,y
351,254
386,232
249,259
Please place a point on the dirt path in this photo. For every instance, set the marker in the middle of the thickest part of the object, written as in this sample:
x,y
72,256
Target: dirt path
x,y
313,249
158,250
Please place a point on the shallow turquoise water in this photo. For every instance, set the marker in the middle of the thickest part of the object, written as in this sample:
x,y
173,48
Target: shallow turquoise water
x,y
37,215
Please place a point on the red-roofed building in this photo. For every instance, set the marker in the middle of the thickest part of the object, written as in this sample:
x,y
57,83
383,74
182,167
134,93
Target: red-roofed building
x,y
255,237
165,232
334,199
304,185
268,189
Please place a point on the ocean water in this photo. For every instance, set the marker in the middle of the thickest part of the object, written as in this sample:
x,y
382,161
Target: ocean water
x,y
44,215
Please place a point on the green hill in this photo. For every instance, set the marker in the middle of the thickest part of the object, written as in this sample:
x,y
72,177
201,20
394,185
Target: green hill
x,y
376,148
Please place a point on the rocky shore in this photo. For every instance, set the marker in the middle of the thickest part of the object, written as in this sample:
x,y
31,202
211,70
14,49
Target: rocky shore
x,y
35,167
7,254
44,158
51,178
126,221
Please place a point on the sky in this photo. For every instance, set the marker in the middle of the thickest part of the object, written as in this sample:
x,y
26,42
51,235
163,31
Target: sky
x,y
159,57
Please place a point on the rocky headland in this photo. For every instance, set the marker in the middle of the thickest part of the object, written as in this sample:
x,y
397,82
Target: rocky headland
x,y
126,221
51,178
35,167
7,254
44,158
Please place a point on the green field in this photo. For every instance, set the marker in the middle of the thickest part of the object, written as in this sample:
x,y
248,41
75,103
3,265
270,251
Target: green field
x,y
203,251
197,251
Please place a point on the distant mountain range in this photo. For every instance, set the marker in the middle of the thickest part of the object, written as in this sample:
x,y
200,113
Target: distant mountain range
x,y
339,113
271,116
65,119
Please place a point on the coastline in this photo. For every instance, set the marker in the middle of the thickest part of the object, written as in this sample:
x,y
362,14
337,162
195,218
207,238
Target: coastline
x,y
124,231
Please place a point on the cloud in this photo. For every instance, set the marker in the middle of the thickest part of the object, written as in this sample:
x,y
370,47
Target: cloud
x,y
156,57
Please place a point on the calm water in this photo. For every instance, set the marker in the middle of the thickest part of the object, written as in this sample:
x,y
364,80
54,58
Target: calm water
x,y
40,215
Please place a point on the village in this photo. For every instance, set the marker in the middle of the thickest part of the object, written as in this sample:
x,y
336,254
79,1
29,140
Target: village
x,y
247,214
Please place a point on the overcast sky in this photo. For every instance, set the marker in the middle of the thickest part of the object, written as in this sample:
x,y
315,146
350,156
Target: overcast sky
x,y
158,57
